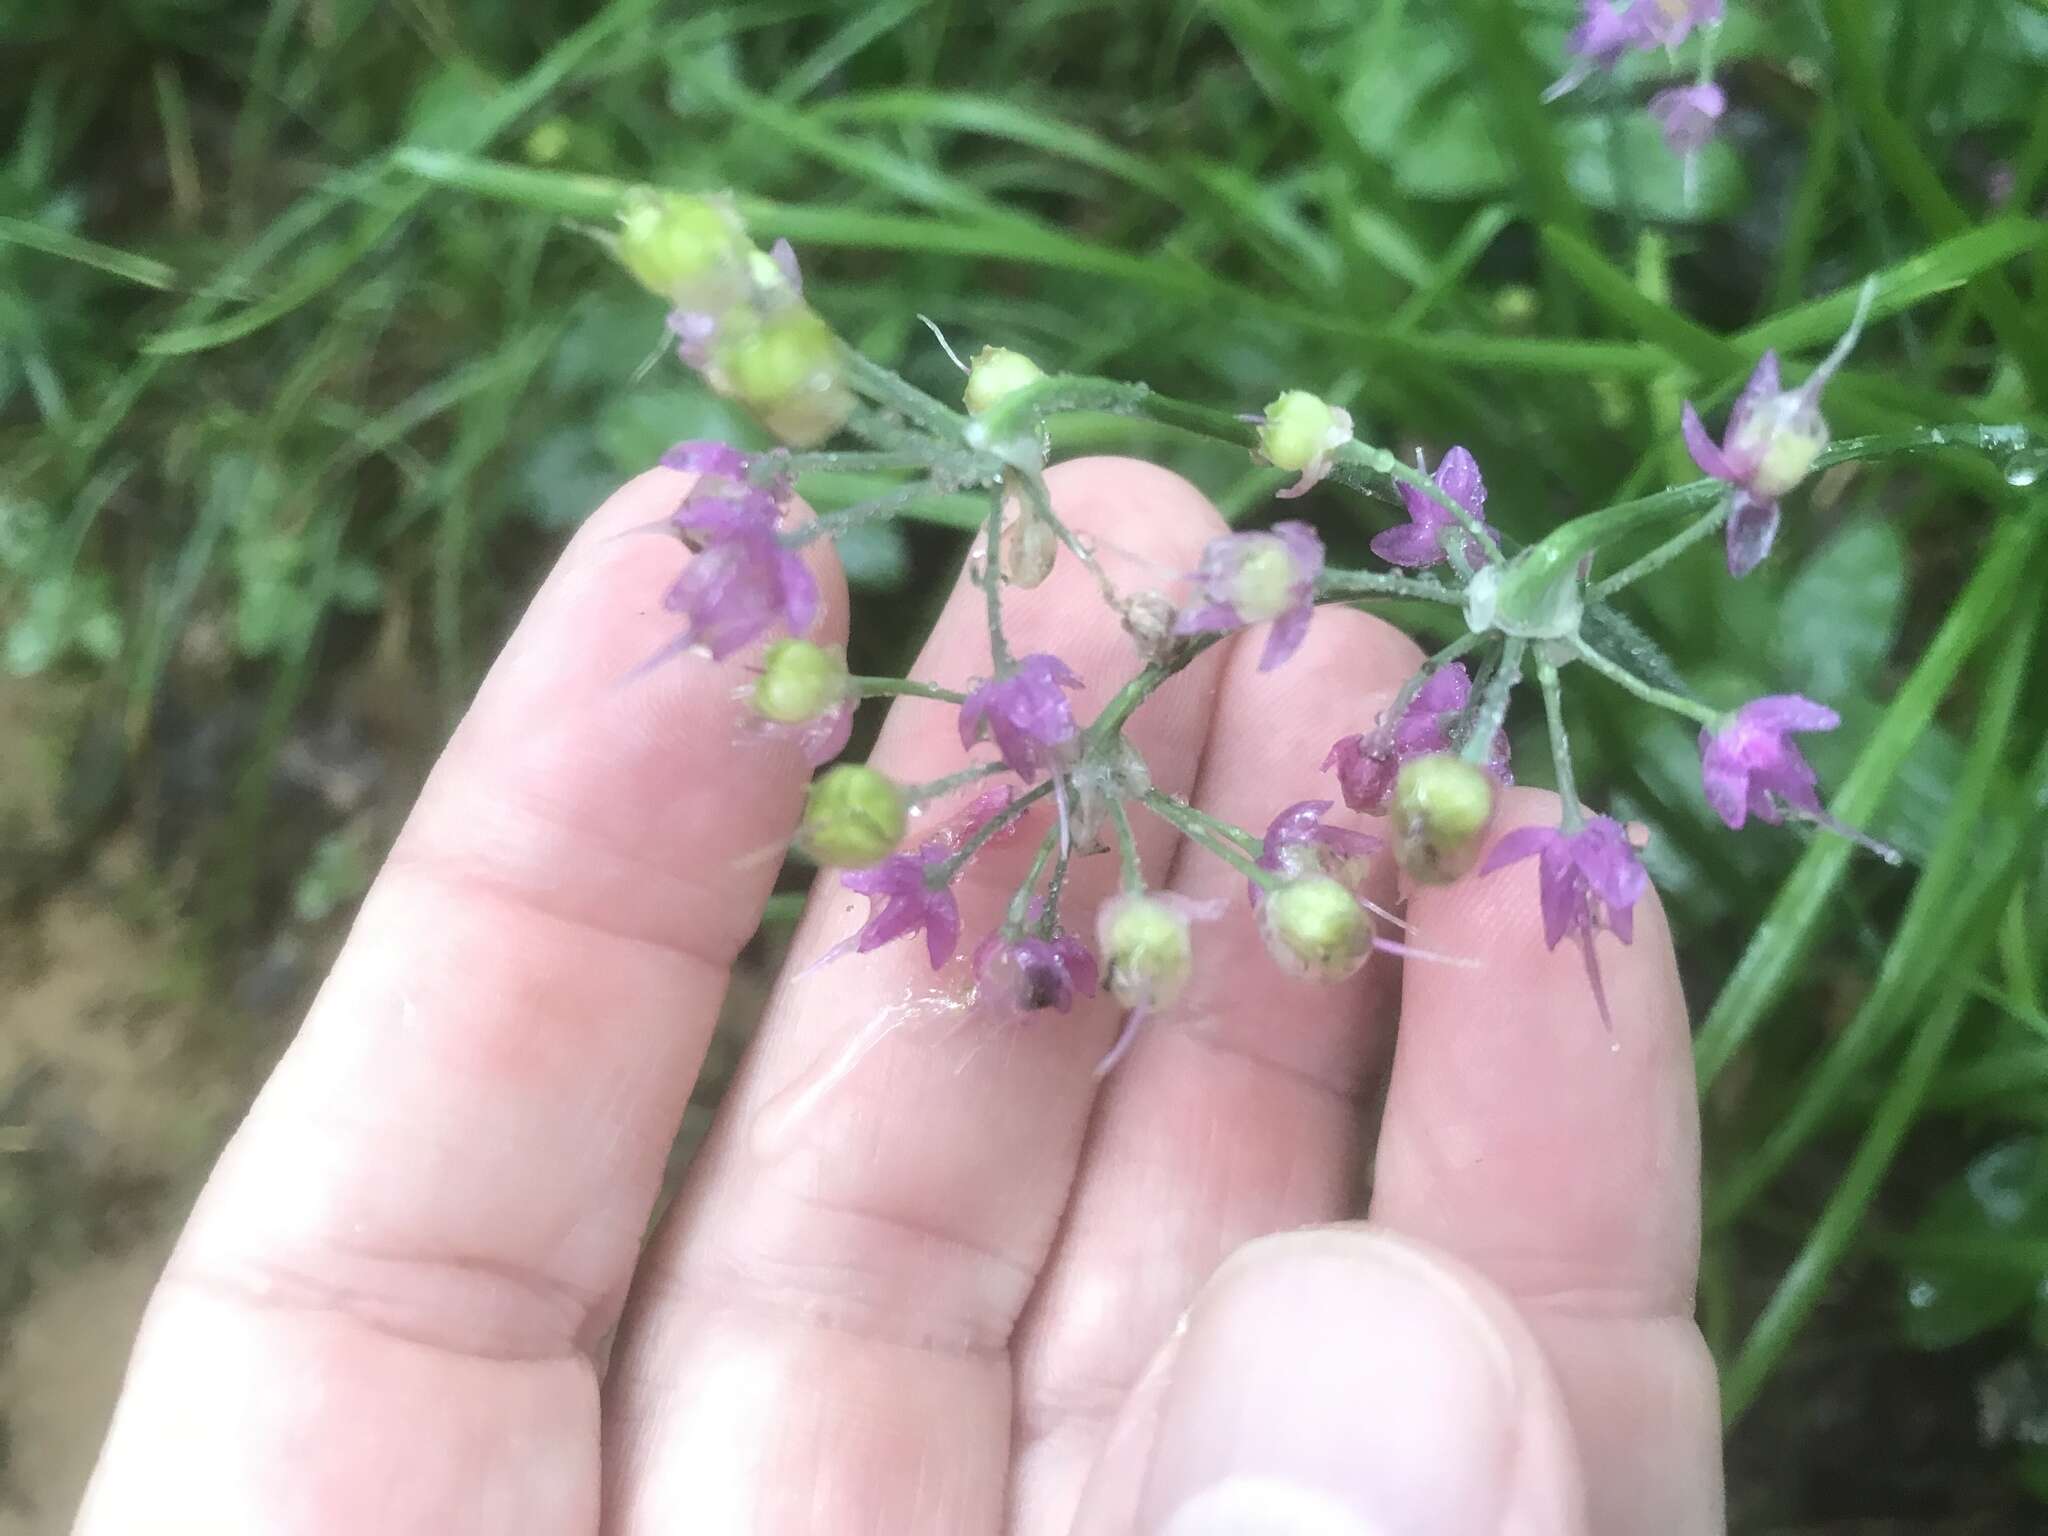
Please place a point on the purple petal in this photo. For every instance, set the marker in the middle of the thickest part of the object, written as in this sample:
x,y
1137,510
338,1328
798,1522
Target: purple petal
x,y
1448,690
1305,548
799,592
1078,961
1724,779
1414,546
1762,386
1705,451
941,927
1752,527
1458,478
783,254
1286,635
1788,712
824,737
1513,847
1560,892
1210,618
706,456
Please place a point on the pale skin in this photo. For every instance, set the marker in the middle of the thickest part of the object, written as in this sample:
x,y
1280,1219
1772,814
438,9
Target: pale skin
x,y
970,1288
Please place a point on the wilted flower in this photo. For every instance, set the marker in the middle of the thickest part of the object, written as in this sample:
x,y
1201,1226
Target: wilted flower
x,y
1368,763
804,692
1750,765
1028,974
1689,114
1422,542
903,901
1587,880
1027,713
1301,433
1246,578
1773,437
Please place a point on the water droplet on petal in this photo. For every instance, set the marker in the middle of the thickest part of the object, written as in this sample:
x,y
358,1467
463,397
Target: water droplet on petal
x,y
2026,467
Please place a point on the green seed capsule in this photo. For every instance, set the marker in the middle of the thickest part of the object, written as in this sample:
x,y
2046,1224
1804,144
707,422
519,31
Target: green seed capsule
x,y
1441,809
1315,928
996,374
799,681
854,817
691,251
1300,430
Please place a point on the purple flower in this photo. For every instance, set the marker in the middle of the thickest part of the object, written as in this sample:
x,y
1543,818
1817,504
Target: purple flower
x,y
1367,764
1421,542
1608,29
1751,767
706,456
742,584
1298,842
1247,578
1588,880
902,901
1026,975
1773,438
1689,114
1026,712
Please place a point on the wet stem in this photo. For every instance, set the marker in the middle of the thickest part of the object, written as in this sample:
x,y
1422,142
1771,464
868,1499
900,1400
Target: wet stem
x,y
1203,831
992,583
1020,904
1664,553
1127,848
1560,742
1649,693
903,688
941,874
1493,704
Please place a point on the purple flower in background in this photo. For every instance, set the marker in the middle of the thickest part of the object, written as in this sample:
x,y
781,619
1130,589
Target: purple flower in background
x,y
1027,713
1750,767
706,456
1367,764
1689,114
1421,542
1026,975
902,901
741,584
1247,578
1588,880
1608,29
1298,842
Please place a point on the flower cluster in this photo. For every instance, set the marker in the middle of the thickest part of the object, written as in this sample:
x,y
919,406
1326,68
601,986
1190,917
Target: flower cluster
x,y
1610,30
1430,767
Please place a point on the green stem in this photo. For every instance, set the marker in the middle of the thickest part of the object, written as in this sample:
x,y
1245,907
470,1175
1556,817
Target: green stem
x,y
832,524
1020,904
1663,554
1493,704
1649,693
1192,825
1349,584
1379,461
887,389
1560,742
942,873
1049,919
992,584
920,794
904,688
1127,848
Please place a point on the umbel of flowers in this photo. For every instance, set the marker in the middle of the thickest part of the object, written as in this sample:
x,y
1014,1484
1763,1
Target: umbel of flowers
x,y
1431,763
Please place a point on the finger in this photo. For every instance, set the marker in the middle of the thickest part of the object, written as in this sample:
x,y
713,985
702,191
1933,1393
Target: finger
x,y
380,1315
822,1338
1343,1382
1562,1162
1234,1115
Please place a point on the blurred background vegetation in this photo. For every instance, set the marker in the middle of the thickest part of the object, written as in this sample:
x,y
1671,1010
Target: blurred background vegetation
x,y
307,365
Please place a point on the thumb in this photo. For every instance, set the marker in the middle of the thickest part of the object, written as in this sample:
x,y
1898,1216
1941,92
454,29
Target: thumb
x,y
1342,1382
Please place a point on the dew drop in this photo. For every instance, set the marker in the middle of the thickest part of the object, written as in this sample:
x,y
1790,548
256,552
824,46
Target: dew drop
x,y
2026,468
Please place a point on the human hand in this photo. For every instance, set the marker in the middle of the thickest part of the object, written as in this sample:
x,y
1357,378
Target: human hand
x,y
965,1287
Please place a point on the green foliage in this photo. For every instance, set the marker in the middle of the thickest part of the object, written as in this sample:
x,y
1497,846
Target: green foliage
x,y
303,337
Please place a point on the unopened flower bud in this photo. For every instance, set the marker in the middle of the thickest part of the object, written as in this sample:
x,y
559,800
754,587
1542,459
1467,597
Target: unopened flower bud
x,y
855,817
1315,928
799,681
1301,431
1441,808
788,371
996,374
691,251
1147,946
